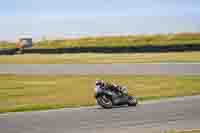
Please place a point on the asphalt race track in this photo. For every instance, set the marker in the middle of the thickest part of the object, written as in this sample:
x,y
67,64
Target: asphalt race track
x,y
150,117
139,69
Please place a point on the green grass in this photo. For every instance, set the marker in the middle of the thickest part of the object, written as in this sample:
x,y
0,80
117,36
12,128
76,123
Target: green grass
x,y
119,41
126,41
38,92
7,45
91,58
190,131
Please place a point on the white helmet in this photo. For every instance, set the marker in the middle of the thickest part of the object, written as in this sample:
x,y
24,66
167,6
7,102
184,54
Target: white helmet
x,y
100,82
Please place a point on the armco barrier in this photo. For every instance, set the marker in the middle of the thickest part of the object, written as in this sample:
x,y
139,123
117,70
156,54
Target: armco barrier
x,y
8,51
131,49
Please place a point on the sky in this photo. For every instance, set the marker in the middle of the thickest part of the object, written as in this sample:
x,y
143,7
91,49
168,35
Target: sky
x,y
55,19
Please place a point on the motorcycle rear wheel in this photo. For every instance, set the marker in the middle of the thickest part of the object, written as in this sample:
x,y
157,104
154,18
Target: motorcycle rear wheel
x,y
104,101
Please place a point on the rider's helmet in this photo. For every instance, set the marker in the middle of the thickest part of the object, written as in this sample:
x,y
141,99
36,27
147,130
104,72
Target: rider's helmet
x,y
100,83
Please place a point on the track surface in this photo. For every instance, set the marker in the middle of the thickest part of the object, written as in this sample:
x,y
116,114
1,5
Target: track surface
x,y
164,68
151,117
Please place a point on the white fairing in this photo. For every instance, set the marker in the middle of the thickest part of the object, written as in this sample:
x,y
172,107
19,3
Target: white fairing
x,y
98,89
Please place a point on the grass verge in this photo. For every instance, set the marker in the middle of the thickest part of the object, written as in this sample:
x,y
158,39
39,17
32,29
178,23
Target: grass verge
x,y
189,131
91,58
38,92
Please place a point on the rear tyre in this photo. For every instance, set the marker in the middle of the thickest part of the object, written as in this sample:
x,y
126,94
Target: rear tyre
x,y
104,101
132,101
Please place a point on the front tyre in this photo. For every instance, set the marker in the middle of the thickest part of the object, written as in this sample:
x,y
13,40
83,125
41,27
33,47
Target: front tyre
x,y
104,101
132,101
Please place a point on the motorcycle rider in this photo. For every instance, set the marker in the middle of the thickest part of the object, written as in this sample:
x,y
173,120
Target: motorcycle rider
x,y
100,84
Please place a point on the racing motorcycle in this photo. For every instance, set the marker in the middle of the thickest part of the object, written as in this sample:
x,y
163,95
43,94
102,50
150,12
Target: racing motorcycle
x,y
109,99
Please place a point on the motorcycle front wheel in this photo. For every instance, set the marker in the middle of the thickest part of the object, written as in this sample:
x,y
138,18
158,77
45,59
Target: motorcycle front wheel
x,y
132,101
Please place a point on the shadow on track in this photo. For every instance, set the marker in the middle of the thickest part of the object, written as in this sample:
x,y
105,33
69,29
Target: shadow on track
x,y
117,107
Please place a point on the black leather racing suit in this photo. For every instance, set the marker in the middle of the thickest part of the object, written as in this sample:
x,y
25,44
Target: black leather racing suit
x,y
113,87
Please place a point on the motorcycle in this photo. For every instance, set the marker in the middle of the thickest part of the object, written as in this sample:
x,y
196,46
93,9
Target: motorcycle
x,y
109,99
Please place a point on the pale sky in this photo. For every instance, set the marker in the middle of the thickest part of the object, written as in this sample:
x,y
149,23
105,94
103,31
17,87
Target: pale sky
x,y
66,18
